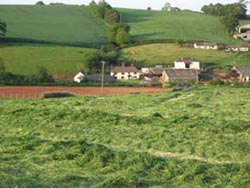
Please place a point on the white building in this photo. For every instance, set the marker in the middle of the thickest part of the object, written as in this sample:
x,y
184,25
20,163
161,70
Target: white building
x,y
206,45
79,77
237,48
125,72
187,63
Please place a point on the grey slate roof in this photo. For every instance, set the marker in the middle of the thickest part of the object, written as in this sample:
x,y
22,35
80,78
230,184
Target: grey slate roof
x,y
182,74
244,70
186,60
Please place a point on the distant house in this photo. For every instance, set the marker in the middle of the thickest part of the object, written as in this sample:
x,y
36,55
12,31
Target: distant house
x,y
125,72
187,63
237,48
244,73
206,45
180,75
79,77
243,32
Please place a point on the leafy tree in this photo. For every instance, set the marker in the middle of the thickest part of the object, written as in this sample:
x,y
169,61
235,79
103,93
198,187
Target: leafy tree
x,y
168,7
2,67
122,37
42,75
40,3
230,22
3,27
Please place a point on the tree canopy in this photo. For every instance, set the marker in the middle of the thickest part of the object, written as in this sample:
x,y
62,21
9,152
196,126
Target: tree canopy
x,y
3,28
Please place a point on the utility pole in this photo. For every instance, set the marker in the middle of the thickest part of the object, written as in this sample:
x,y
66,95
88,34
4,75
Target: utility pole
x,y
102,86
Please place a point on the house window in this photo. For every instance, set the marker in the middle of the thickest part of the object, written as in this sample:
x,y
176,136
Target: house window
x,y
187,65
122,73
122,77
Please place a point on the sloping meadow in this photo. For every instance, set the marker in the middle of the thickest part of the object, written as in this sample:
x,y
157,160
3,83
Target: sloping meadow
x,y
194,138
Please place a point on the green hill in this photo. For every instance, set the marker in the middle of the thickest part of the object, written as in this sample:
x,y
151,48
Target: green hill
x,y
183,25
58,23
74,24
63,61
196,138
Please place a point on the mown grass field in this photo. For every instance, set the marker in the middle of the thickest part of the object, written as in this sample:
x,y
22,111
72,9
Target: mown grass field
x,y
184,25
195,138
60,23
166,54
57,60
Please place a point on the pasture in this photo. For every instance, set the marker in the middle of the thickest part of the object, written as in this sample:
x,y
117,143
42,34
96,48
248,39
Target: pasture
x,y
58,23
59,61
166,54
193,138
184,25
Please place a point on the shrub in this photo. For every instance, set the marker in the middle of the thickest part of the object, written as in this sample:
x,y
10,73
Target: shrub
x,y
57,95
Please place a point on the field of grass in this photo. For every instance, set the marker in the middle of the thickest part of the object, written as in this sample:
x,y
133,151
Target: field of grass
x,y
57,60
184,25
242,22
61,23
166,54
195,138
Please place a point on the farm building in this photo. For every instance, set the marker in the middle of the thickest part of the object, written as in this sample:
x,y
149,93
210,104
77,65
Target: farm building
x,y
243,32
79,77
206,45
237,48
125,72
187,63
244,73
180,75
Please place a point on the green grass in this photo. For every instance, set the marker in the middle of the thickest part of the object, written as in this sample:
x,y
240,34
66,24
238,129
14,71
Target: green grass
x,y
195,138
57,60
61,23
166,54
184,25
243,22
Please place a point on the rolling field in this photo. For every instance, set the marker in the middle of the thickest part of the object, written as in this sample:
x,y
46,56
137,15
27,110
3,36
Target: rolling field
x,y
182,25
194,138
57,60
166,54
61,23
74,24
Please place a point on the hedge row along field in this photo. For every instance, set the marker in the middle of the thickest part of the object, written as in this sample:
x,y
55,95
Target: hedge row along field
x,y
193,138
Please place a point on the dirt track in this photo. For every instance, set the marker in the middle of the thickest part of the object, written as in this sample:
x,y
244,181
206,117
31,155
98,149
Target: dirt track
x,y
36,92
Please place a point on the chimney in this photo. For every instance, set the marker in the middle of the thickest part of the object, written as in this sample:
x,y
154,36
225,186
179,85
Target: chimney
x,y
123,64
132,65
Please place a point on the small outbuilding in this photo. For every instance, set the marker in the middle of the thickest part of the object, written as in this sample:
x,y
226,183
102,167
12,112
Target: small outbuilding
x,y
180,75
244,73
79,77
206,45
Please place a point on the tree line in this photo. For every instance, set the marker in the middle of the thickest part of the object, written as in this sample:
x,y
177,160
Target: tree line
x,y
229,13
118,32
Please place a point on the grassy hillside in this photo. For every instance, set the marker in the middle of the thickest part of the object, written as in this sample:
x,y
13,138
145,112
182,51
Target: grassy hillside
x,y
57,60
197,138
166,54
61,23
182,25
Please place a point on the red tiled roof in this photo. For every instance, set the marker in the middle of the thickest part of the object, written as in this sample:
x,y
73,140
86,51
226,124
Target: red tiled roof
x,y
124,69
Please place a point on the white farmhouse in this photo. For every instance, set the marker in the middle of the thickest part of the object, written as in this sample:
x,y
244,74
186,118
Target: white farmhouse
x,y
79,77
125,72
206,45
187,63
